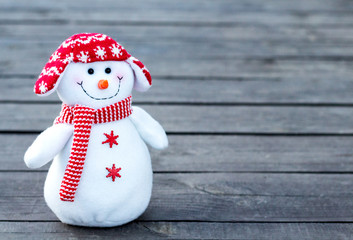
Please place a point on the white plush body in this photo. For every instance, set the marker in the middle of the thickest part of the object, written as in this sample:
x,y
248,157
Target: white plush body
x,y
99,201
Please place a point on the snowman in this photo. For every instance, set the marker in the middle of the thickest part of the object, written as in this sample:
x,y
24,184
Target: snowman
x,y
101,174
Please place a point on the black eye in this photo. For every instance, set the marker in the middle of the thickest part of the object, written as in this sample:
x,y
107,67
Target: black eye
x,y
90,71
108,70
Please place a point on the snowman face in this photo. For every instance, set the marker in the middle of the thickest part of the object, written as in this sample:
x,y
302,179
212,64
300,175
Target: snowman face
x,y
96,84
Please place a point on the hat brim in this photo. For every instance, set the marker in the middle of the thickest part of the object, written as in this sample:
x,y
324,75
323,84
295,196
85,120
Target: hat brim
x,y
143,79
50,77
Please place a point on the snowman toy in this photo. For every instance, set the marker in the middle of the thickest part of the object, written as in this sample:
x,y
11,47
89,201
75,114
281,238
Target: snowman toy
x,y
101,174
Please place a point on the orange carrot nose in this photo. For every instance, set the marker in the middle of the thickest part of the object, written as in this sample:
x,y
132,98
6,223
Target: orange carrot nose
x,y
103,84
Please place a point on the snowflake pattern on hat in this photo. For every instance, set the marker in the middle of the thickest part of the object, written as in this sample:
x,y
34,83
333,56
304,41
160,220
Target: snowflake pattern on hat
x,y
84,48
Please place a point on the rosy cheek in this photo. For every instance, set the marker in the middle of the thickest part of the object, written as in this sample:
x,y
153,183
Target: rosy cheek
x,y
120,77
77,79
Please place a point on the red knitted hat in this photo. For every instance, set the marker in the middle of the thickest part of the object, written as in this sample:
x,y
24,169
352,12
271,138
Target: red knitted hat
x,y
87,48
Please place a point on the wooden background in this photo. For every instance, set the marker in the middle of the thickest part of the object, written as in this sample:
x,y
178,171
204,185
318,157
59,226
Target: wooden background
x,y
256,97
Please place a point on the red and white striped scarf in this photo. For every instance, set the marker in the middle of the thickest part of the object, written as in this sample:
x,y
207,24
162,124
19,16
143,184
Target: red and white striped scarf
x,y
82,118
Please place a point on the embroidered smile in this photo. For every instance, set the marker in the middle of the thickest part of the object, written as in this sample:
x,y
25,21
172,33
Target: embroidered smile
x,y
103,98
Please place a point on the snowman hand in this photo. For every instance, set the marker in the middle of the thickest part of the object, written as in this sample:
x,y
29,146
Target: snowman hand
x,y
48,144
149,129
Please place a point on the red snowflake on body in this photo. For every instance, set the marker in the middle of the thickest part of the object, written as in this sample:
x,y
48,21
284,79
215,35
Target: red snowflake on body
x,y
113,172
111,139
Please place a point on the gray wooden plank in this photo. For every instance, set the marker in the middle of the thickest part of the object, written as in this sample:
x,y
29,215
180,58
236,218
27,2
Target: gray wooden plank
x,y
205,119
179,230
178,17
177,49
208,197
297,39
203,91
183,65
175,9
174,51
223,154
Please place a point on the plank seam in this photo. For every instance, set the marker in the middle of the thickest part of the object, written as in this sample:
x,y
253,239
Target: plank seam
x,y
191,23
195,103
180,133
205,172
207,221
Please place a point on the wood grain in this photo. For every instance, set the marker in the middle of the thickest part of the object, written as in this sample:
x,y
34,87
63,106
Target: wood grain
x,y
274,11
275,54
270,91
179,230
205,119
223,154
208,197
287,38
182,67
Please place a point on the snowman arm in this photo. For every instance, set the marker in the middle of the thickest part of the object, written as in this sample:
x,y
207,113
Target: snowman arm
x,y
149,129
47,145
